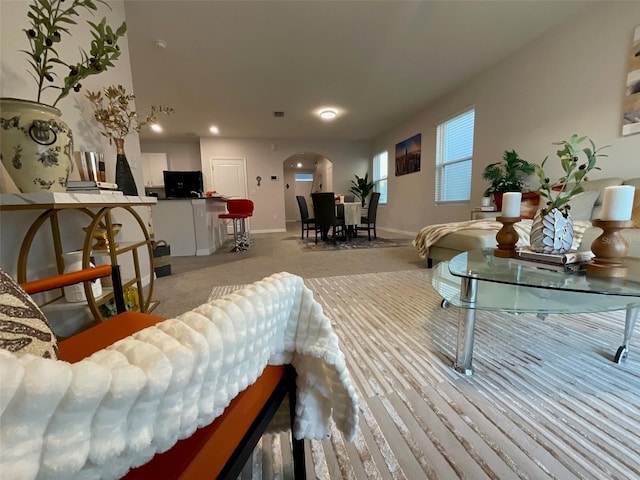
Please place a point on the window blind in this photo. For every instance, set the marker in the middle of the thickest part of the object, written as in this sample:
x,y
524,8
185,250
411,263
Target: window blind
x,y
454,158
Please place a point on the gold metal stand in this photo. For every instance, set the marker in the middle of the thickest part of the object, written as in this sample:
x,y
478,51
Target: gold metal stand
x,y
609,249
507,238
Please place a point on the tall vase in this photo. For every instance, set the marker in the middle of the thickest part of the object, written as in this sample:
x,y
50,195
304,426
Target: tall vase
x,y
124,177
36,146
551,233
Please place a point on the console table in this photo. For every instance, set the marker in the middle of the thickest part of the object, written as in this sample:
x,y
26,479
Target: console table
x,y
99,208
477,280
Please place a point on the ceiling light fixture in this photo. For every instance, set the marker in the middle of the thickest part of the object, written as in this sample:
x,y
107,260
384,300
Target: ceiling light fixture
x,y
328,114
214,130
156,128
299,165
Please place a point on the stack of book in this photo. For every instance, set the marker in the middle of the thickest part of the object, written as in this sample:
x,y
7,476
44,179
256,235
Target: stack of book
x,y
571,261
90,186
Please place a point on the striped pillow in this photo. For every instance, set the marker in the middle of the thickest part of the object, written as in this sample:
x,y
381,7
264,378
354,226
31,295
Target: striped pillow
x,y
23,326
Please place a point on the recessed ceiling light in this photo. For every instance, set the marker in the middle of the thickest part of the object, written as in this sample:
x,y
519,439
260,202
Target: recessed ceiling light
x,y
328,114
156,128
214,130
299,165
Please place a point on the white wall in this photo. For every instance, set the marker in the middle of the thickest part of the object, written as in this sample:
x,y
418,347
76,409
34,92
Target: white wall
x,y
571,80
348,158
76,111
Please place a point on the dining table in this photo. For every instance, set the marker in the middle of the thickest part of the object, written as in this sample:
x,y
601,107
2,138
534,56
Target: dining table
x,y
352,215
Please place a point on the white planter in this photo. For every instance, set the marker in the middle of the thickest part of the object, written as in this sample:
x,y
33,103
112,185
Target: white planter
x,y
75,293
551,233
36,146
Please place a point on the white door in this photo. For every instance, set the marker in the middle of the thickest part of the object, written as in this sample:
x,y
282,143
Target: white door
x,y
229,177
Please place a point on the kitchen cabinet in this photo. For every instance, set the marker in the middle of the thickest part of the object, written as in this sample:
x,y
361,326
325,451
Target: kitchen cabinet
x,y
153,164
190,226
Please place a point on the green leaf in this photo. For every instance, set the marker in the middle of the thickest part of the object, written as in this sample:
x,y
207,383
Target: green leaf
x,y
122,29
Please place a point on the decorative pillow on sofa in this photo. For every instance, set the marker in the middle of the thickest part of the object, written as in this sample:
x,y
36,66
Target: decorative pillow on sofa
x,y
23,326
582,205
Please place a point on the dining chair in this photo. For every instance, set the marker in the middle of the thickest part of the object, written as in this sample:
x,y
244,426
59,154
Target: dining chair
x,y
368,222
324,208
306,221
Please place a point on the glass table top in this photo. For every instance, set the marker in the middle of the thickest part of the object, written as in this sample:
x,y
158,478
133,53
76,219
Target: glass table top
x,y
515,287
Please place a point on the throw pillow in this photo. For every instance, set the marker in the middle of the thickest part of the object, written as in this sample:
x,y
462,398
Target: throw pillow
x,y
582,205
635,213
23,326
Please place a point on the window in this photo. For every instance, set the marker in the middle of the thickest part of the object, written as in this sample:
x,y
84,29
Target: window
x,y
380,169
304,177
454,156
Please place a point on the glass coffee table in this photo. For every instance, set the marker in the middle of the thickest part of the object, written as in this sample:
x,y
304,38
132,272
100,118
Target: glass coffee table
x,y
477,280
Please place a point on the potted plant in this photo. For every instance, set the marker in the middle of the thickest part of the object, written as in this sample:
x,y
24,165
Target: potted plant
x,y
509,175
36,145
552,228
361,187
117,119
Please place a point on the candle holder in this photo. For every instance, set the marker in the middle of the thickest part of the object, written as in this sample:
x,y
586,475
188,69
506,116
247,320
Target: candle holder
x,y
609,249
507,238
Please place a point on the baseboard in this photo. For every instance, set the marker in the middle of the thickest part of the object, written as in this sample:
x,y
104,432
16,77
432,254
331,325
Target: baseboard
x,y
203,252
270,230
394,230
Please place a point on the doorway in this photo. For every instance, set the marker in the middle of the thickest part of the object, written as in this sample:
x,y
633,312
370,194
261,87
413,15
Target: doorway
x,y
314,173
228,176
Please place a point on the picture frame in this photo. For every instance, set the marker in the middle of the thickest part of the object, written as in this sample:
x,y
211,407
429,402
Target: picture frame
x,y
408,155
631,114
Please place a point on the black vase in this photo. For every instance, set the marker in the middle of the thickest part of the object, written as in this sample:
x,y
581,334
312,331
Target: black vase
x,y
124,177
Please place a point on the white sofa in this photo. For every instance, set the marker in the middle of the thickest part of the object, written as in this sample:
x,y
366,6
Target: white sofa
x,y
468,238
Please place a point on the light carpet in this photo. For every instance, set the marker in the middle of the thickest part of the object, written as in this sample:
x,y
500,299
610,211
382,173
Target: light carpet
x,y
546,401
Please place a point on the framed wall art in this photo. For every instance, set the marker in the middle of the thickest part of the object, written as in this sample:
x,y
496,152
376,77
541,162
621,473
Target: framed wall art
x,y
408,155
631,116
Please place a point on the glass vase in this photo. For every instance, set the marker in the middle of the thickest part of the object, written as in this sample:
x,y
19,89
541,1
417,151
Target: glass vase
x,y
124,177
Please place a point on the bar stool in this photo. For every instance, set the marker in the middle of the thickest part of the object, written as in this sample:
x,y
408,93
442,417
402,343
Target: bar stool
x,y
239,209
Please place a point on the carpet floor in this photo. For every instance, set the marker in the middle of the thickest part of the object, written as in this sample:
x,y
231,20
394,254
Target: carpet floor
x,y
546,401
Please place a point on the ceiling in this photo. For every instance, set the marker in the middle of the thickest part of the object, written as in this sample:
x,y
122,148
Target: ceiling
x,y
233,63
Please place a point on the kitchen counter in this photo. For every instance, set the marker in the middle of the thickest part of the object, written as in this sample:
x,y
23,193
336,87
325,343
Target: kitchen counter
x,y
190,225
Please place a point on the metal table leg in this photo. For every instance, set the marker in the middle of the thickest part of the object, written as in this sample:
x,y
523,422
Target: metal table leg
x,y
629,323
466,325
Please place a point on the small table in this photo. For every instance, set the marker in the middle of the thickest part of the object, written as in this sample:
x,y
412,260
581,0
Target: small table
x,y
477,280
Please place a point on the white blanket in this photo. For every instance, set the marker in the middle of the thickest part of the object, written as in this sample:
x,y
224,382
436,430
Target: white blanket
x,y
430,234
100,417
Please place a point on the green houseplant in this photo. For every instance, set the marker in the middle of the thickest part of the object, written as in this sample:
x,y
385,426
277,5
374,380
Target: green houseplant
x,y
552,227
361,187
37,146
509,175
558,194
